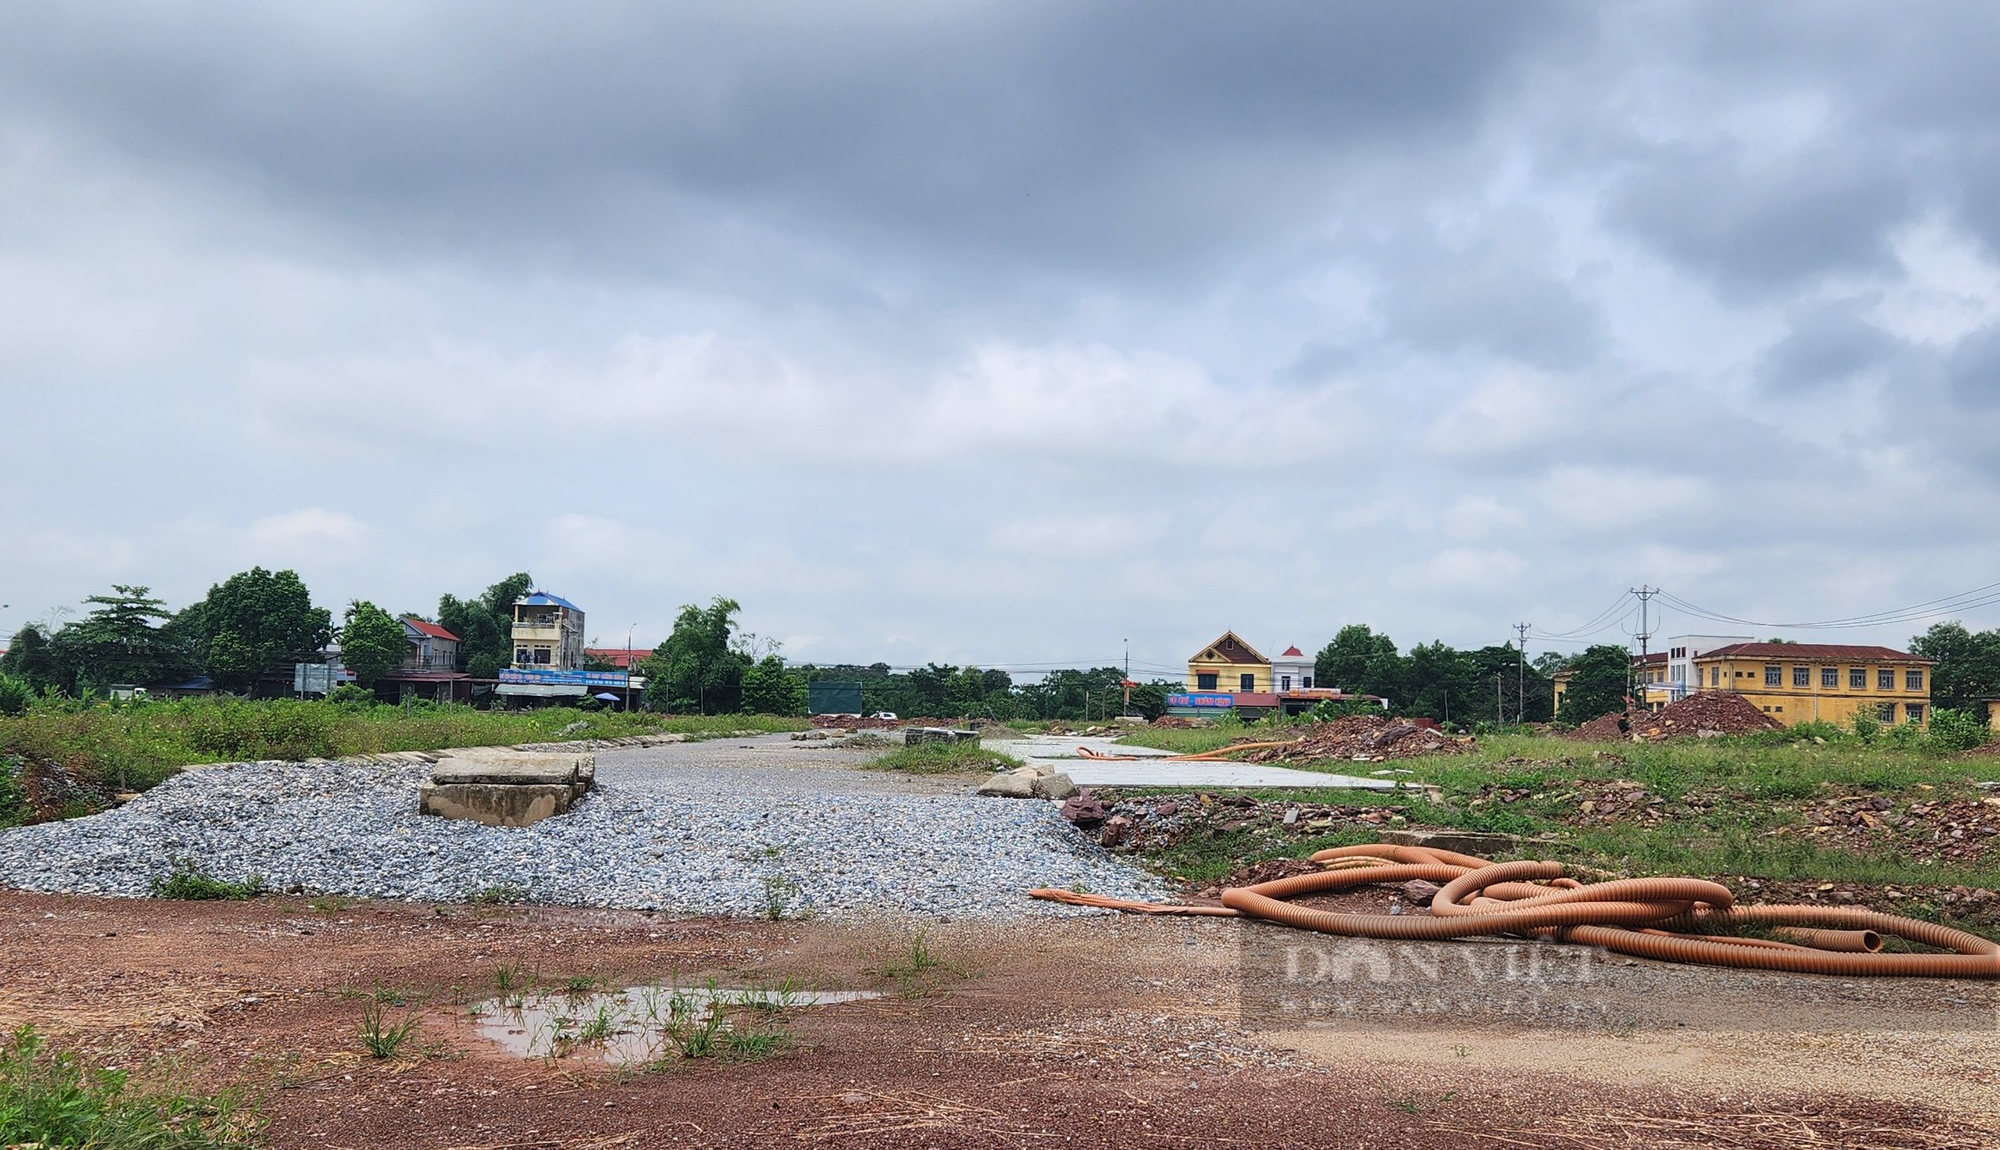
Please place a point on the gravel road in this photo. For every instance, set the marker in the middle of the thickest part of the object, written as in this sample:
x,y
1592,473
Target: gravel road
x,y
737,827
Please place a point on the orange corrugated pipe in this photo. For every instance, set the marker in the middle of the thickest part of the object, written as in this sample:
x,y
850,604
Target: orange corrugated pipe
x,y
1665,918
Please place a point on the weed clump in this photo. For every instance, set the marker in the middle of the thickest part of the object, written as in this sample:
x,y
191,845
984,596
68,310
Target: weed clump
x,y
187,881
54,1099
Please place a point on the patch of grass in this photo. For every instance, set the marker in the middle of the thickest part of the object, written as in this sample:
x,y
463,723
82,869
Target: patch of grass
x,y
54,1099
187,881
779,890
919,968
331,904
577,984
508,978
498,894
944,759
382,1038
130,747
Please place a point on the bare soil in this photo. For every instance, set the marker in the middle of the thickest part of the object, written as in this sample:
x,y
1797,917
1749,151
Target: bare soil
x,y
1100,1031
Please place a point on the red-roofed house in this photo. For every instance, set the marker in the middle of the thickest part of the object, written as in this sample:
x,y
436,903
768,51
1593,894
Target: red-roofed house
x,y
432,648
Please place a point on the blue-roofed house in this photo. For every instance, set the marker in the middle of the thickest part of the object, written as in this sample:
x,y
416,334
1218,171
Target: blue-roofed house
x,y
548,633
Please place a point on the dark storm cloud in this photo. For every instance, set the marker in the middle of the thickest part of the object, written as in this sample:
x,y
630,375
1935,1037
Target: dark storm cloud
x,y
1758,225
1829,343
1099,135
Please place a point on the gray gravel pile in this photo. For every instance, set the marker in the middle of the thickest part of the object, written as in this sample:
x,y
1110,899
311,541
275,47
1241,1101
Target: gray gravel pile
x,y
700,842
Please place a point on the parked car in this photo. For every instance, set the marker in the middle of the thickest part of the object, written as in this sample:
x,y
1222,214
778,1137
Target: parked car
x,y
889,715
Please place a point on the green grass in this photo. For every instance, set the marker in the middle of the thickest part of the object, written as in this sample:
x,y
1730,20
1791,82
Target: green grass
x,y
55,1099
132,747
1732,806
383,1038
186,881
944,759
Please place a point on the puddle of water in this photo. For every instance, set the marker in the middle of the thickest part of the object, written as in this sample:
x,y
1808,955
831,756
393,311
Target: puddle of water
x,y
642,1024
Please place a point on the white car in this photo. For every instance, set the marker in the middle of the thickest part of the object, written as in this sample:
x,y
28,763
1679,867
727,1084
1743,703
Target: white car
x,y
889,715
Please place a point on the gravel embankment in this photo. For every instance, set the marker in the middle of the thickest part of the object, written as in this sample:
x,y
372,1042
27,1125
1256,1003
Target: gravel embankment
x,y
668,834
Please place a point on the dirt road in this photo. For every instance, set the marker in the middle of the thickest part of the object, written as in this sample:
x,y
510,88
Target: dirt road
x,y
1101,1031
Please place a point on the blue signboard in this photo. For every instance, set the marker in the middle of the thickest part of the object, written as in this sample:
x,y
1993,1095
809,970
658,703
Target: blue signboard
x,y
1214,700
553,678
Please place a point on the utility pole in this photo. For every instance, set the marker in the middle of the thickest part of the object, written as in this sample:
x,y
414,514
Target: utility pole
x,y
1521,679
1127,684
1499,702
1645,594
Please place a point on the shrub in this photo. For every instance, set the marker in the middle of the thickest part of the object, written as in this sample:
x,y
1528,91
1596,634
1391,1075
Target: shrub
x,y
1956,730
15,695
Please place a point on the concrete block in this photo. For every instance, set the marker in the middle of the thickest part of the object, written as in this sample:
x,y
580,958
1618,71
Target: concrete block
x,y
917,736
497,804
1011,785
1053,786
505,767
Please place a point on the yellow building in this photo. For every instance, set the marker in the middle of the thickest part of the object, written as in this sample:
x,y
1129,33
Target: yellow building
x,y
1229,664
1803,682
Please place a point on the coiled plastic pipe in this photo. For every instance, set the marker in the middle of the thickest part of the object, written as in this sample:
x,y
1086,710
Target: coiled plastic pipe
x,y
1674,919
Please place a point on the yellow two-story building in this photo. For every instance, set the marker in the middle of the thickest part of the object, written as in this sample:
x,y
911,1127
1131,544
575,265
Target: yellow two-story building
x,y
1229,664
1830,682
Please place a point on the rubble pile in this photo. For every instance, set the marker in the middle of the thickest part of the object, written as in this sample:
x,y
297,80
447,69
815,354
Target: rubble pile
x,y
1702,715
1177,723
1964,831
1362,739
1154,823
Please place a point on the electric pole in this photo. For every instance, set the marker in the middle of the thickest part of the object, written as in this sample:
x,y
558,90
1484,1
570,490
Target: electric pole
x,y
1521,678
1127,684
1644,593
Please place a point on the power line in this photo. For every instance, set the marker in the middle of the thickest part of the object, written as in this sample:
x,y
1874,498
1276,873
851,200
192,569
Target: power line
x,y
1598,622
1947,605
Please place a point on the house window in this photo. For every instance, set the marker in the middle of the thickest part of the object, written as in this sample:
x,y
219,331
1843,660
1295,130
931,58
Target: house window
x,y
1886,712
1801,676
1829,677
1857,678
542,655
1915,711
1913,680
1885,679
520,654
1246,682
1306,683
1715,676
1287,683
1204,682
1774,676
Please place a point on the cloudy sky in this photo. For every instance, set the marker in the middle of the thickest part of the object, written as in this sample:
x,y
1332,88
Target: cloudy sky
x,y
1005,332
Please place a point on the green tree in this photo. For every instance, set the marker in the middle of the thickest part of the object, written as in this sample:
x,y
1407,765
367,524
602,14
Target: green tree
x,y
485,625
119,641
1359,661
372,642
32,659
252,622
1967,667
770,688
1597,685
697,668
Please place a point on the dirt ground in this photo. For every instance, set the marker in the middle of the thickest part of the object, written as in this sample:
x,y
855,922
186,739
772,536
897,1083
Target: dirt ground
x,y
1084,1031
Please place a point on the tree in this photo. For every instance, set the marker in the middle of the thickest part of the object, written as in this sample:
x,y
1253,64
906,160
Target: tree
x,y
769,688
1597,684
118,642
253,621
485,625
1359,661
696,668
372,643
1967,667
31,659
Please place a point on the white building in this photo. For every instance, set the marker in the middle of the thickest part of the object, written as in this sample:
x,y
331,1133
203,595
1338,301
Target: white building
x,y
1682,651
1291,671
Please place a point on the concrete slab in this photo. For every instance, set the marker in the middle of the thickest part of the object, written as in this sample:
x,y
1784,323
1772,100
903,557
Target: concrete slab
x,y
507,768
1148,771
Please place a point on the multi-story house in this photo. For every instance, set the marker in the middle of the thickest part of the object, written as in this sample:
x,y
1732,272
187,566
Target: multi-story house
x,y
432,648
1803,682
548,633
1229,664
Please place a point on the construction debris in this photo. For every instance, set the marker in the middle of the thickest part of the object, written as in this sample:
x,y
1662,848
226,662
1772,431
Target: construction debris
x,y
1362,739
1702,715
